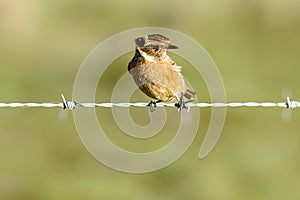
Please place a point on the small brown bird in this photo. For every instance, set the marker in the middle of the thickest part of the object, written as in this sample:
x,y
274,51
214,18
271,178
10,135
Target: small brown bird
x,y
156,74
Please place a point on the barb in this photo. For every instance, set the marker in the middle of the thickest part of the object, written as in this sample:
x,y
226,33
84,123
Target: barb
x,y
71,105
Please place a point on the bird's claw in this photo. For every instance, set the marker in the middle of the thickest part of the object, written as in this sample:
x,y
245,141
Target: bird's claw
x,y
153,105
183,104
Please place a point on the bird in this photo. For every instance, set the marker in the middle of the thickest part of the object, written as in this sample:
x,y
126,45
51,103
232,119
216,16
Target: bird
x,y
156,74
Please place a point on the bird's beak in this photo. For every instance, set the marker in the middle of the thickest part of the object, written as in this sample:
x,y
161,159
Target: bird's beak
x,y
171,46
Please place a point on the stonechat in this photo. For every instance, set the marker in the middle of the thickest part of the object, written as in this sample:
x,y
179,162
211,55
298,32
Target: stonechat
x,y
156,74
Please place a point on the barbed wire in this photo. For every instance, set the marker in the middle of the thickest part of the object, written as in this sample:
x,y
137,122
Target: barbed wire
x,y
71,105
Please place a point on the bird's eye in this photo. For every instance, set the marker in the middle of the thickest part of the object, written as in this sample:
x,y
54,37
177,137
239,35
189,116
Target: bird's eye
x,y
140,42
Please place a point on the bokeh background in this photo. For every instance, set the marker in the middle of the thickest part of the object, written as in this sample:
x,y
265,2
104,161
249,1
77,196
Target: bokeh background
x,y
256,46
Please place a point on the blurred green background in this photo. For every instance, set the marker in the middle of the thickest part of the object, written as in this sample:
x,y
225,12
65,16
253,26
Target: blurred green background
x,y
256,46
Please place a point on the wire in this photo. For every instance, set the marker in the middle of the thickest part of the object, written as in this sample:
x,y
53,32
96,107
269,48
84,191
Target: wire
x,y
71,105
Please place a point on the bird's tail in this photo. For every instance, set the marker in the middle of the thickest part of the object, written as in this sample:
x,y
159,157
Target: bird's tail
x,y
189,94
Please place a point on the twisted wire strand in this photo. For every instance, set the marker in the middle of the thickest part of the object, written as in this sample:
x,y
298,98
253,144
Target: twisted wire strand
x,y
71,105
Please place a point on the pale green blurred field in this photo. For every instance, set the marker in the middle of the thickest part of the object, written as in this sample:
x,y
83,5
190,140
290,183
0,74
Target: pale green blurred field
x,y
256,46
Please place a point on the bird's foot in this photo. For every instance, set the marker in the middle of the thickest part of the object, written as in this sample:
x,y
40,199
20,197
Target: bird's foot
x,y
153,105
183,104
